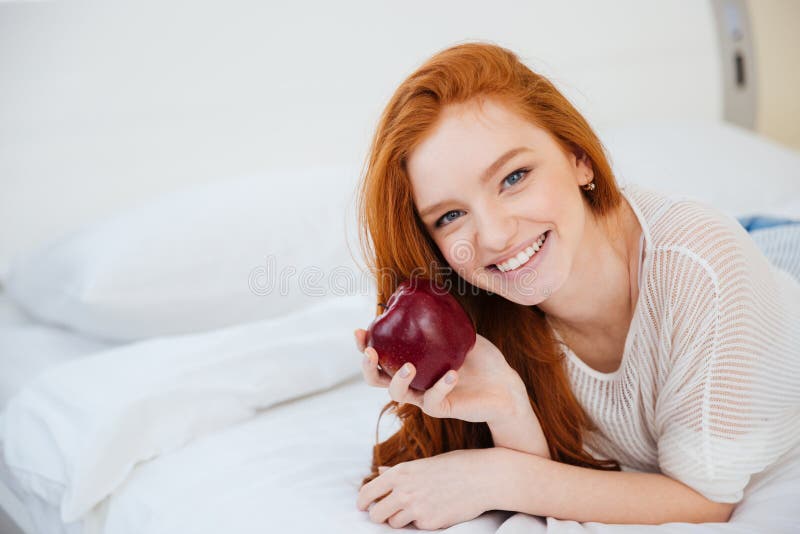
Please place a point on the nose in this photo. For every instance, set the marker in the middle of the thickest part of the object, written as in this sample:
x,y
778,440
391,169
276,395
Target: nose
x,y
496,229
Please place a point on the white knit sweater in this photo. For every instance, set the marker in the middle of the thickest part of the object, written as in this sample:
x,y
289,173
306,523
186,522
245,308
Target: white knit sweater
x,y
708,391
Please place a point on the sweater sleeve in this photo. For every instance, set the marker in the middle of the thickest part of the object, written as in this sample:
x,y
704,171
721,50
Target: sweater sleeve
x,y
729,405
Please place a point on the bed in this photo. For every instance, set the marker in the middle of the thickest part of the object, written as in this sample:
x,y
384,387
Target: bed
x,y
253,432
155,374
264,475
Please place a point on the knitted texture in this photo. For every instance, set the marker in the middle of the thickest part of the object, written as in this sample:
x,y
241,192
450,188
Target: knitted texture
x,y
708,391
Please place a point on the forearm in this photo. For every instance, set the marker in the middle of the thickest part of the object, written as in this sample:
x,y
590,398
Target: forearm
x,y
522,432
537,486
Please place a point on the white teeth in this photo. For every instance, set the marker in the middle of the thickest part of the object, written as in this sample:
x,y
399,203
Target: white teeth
x,y
522,257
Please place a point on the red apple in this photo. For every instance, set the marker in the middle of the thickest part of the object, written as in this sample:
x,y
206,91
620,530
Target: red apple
x,y
422,324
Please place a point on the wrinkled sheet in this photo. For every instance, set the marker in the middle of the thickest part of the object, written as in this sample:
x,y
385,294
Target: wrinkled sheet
x,y
73,434
297,468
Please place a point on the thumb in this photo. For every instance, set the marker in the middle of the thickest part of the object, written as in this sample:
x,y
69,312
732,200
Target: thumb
x,y
360,336
435,398
382,468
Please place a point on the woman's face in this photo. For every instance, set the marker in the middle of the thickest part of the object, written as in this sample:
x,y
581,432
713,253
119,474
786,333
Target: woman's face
x,y
492,188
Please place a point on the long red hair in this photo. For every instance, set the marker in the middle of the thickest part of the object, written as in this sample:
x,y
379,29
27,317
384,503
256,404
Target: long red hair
x,y
396,244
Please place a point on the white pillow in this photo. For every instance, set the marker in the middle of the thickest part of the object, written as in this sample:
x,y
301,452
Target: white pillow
x,y
203,258
74,434
733,169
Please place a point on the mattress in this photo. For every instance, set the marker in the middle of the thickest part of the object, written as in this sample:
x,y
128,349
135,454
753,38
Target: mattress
x,y
27,348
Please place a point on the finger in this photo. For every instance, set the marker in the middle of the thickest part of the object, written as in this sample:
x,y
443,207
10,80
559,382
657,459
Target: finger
x,y
400,519
435,399
384,508
369,368
399,386
361,339
381,469
372,491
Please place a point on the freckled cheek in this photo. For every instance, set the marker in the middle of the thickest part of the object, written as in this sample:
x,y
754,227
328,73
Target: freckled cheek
x,y
460,253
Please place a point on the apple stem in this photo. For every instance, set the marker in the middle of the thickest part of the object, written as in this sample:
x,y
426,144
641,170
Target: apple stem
x,y
382,305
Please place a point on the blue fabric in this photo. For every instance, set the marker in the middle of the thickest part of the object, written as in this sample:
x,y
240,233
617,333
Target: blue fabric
x,y
758,222
778,239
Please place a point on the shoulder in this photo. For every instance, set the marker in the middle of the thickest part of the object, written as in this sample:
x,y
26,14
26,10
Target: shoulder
x,y
690,241
707,283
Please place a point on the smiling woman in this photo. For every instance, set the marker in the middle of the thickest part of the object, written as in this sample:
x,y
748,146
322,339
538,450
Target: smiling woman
x,y
642,331
506,214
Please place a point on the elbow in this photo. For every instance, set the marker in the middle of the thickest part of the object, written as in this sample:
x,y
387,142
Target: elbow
x,y
720,512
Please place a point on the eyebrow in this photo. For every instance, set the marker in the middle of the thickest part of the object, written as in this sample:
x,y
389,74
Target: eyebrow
x,y
490,171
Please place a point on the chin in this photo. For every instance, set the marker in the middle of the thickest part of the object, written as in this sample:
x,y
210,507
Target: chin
x,y
541,290
533,297
525,296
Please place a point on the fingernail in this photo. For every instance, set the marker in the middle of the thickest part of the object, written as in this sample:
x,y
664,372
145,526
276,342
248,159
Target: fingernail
x,y
450,378
405,371
367,358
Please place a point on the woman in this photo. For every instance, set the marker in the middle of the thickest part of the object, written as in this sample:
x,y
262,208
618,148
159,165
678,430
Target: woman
x,y
615,327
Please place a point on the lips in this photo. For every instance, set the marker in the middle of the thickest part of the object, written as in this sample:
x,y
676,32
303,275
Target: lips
x,y
506,257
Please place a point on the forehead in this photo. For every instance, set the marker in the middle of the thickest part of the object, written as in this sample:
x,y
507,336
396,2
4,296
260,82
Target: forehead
x,y
466,140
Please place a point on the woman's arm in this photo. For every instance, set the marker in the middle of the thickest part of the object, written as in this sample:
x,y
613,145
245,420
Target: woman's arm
x,y
534,485
520,430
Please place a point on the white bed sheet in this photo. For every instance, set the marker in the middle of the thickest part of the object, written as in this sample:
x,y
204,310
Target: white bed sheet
x,y
27,348
10,313
293,468
296,468
31,514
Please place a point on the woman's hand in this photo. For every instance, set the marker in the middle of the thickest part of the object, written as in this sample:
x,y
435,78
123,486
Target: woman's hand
x,y
431,493
484,389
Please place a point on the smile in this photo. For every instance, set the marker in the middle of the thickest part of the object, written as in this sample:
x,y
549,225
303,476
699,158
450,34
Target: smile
x,y
522,257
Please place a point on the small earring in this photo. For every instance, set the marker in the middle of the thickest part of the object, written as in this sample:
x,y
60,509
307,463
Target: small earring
x,y
588,187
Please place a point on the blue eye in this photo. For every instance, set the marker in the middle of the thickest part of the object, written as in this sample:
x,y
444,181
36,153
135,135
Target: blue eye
x,y
512,179
445,219
519,174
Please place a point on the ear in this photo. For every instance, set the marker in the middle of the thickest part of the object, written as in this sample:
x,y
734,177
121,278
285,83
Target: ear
x,y
583,167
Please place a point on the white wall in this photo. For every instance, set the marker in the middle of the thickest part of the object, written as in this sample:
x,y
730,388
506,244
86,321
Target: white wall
x,y
102,106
